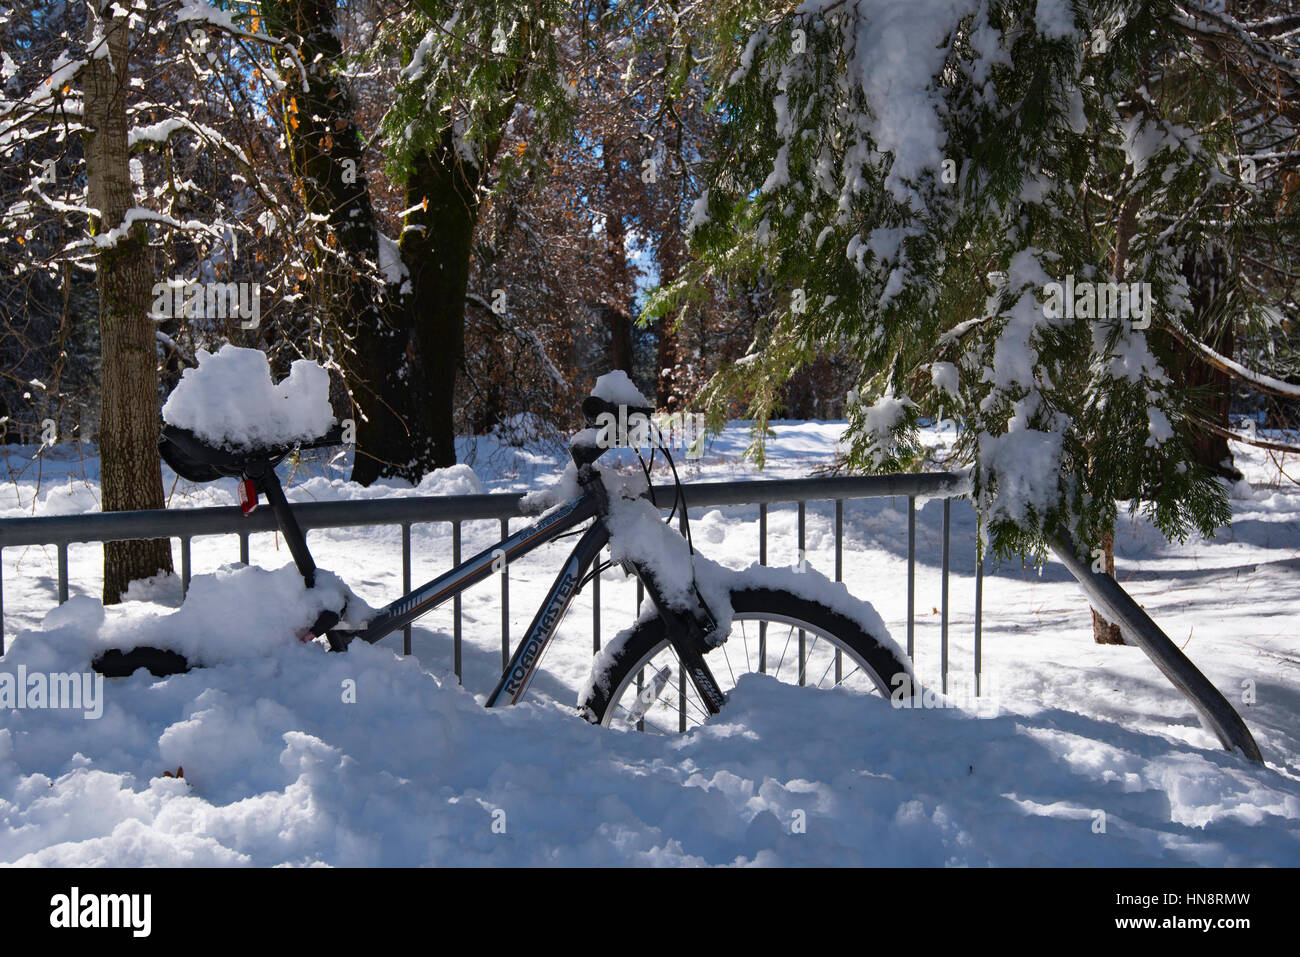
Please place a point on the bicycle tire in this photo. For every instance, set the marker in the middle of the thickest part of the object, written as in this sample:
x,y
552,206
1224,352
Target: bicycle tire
x,y
875,658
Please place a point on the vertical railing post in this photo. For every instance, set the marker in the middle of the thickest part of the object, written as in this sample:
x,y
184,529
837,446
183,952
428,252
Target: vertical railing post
x,y
640,686
243,548
505,599
455,602
595,606
803,566
682,523
762,560
839,575
911,577
63,572
185,567
406,581
943,608
979,606
681,701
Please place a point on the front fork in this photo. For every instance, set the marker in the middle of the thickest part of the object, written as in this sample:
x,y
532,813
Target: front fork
x,y
688,631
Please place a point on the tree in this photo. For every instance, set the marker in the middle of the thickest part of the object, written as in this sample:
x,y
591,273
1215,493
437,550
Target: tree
x,y
931,186
469,72
90,217
131,473
135,109
367,316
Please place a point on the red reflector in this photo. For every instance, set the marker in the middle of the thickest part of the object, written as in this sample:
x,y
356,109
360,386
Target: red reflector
x,y
247,496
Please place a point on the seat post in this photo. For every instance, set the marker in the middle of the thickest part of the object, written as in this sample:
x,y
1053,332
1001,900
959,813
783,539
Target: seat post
x,y
269,483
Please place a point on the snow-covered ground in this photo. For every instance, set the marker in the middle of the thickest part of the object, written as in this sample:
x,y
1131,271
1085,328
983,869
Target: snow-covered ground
x,y
1080,754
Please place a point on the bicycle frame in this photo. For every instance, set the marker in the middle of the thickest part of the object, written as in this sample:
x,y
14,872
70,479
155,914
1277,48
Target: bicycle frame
x,y
688,630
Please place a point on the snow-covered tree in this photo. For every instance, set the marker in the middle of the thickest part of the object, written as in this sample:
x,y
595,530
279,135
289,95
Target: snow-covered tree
x,y
98,113
990,204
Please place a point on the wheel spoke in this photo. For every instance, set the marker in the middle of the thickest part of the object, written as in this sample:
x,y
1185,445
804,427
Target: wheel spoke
x,y
686,698
783,651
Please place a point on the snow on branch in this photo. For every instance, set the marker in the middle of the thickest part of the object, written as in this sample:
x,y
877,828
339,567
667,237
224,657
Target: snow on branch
x,y
137,214
1261,381
197,11
161,131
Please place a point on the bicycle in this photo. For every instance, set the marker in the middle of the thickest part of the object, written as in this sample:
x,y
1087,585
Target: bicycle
x,y
679,635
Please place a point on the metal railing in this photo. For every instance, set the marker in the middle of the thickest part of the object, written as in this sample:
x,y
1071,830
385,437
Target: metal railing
x,y
187,524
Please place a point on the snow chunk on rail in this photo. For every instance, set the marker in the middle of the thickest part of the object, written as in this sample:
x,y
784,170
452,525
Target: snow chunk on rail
x,y
230,400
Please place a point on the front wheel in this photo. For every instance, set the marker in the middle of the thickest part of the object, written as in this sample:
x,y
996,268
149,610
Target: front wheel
x,y
794,639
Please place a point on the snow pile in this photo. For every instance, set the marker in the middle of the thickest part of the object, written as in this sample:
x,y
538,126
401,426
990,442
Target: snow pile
x,y
453,480
562,489
296,756
1025,465
237,612
230,400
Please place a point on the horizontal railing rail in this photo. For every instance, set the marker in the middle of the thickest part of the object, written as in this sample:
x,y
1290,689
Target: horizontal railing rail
x,y
226,520
407,511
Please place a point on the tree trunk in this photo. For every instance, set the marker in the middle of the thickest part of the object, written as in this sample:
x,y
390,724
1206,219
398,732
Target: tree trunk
x,y
437,255
371,324
1206,278
130,470
616,277
620,339
1103,631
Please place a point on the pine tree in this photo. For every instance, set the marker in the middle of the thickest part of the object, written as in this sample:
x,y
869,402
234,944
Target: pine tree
x,y
925,182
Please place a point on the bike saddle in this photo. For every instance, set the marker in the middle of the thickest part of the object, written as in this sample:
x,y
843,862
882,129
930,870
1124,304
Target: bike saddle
x,y
192,458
